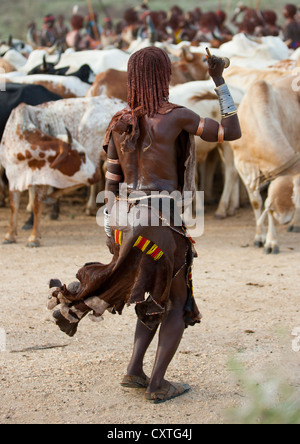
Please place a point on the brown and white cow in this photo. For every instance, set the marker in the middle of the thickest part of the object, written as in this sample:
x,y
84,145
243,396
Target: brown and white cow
x,y
270,118
57,145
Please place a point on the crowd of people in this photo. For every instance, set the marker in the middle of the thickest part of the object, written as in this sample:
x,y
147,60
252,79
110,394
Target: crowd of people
x,y
175,25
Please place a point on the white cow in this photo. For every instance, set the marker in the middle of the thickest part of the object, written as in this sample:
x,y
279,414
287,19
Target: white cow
x,y
38,151
269,116
242,78
98,60
251,53
64,86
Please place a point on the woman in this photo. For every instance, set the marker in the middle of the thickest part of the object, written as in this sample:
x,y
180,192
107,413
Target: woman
x,y
77,38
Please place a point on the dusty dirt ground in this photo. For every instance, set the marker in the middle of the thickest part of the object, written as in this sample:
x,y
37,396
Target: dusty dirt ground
x,y
249,302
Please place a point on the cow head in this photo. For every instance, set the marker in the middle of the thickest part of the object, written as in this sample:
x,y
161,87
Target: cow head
x,y
70,155
71,158
191,67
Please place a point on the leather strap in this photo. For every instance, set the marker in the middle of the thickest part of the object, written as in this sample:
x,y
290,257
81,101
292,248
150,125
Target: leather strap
x,y
283,169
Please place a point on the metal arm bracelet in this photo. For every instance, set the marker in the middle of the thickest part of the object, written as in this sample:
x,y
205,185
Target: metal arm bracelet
x,y
227,104
107,228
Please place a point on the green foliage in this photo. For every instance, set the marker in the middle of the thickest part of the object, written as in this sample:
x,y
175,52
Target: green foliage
x,y
270,400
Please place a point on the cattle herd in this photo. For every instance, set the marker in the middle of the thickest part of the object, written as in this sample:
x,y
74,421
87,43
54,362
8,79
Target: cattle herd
x,y
56,104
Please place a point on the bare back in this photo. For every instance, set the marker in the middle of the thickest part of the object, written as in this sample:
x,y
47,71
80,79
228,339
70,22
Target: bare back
x,y
153,166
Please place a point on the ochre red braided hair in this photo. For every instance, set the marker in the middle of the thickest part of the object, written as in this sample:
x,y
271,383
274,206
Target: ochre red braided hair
x,y
149,74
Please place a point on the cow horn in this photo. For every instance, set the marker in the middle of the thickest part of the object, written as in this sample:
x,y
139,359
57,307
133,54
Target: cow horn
x,y
70,138
59,56
187,55
45,65
10,41
52,50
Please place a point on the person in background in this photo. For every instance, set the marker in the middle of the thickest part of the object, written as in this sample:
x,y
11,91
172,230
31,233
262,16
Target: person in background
x,y
32,36
128,27
48,34
174,27
108,36
223,30
94,31
77,38
291,29
270,27
62,29
208,27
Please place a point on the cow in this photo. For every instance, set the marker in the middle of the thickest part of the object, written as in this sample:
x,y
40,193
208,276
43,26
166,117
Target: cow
x,y
242,78
112,83
55,145
280,206
14,58
22,47
13,96
269,147
66,87
5,66
84,72
248,53
264,48
97,60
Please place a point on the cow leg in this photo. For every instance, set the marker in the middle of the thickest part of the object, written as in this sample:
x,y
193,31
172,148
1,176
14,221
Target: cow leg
x,y
228,204
14,201
249,174
235,200
209,169
40,194
29,223
295,224
55,211
91,207
257,204
31,194
271,245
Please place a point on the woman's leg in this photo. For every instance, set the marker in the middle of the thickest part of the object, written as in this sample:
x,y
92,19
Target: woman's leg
x,y
142,340
171,332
